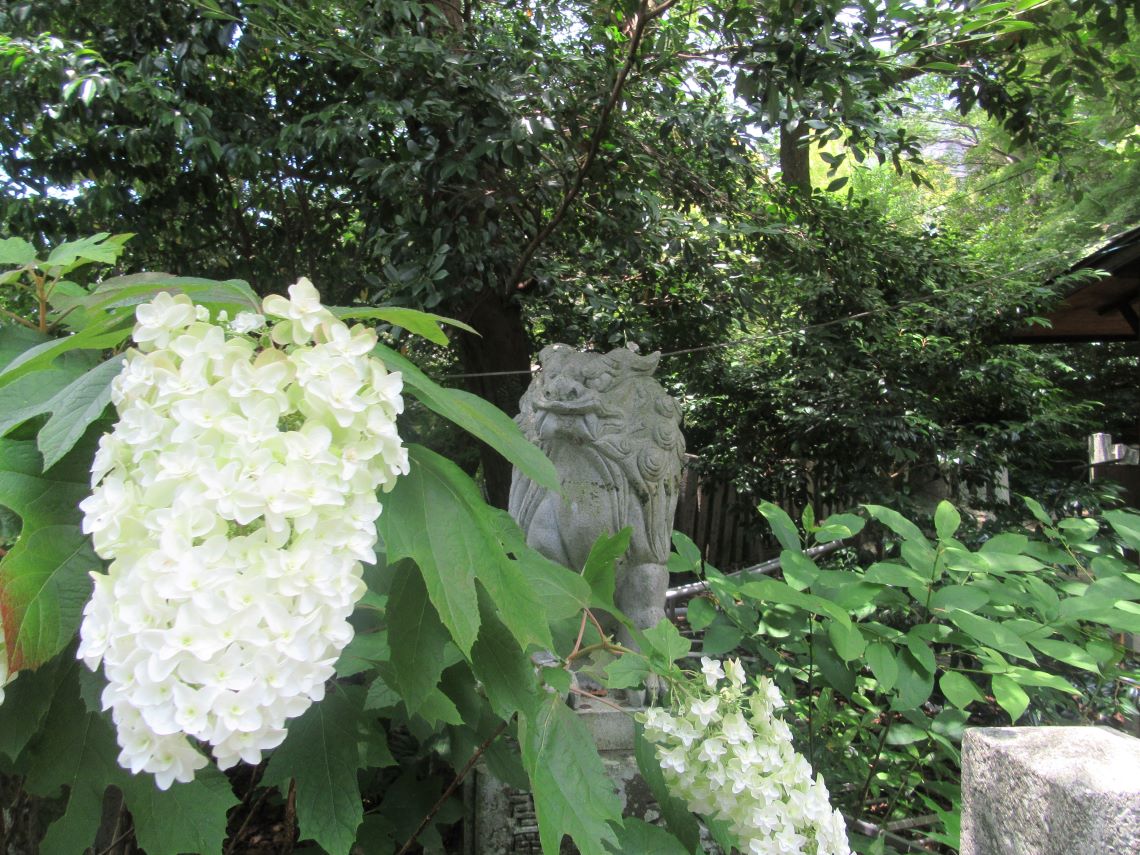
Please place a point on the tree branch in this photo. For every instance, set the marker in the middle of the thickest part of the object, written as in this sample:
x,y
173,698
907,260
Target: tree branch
x,y
645,14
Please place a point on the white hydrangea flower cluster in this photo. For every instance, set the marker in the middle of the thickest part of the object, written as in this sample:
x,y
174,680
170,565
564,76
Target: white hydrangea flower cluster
x,y
728,756
236,499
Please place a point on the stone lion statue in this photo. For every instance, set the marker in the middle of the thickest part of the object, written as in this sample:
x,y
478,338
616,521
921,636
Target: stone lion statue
x,y
614,436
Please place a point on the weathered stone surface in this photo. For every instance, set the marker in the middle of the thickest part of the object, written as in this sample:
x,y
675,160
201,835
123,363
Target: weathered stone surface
x,y
1050,791
614,436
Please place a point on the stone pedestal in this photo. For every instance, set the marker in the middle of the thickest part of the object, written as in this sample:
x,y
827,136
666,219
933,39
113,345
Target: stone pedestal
x,y
504,822
1050,791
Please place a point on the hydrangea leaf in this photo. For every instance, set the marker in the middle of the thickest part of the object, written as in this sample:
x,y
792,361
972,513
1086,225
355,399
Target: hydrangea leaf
x,y
75,407
424,324
43,578
504,670
572,794
436,517
27,702
186,818
601,567
637,835
78,750
478,417
321,755
416,638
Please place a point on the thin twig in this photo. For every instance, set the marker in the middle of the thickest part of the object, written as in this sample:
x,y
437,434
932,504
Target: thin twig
x,y
645,14
874,763
467,767
290,817
18,319
249,817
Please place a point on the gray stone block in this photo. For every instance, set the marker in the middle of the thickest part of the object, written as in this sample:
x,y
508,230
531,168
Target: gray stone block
x,y
1050,791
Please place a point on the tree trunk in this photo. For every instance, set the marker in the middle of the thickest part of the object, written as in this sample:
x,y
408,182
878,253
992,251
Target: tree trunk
x,y
794,160
502,345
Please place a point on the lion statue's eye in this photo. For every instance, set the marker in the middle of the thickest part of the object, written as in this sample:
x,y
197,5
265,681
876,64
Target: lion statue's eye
x,y
600,382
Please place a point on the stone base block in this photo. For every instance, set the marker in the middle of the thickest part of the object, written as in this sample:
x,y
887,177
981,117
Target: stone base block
x,y
1050,791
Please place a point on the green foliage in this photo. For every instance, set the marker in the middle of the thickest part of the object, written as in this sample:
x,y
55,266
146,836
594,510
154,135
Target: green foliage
x,y
888,661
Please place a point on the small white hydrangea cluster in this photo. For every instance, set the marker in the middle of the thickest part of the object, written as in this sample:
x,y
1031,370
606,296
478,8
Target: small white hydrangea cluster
x,y
236,499
730,758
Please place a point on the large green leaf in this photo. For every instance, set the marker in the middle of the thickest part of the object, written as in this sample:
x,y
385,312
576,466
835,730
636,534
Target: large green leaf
x,y
959,689
770,590
881,660
424,324
231,295
321,755
436,517
27,702
416,637
78,751
16,251
28,397
600,571
44,580
782,526
108,332
1010,697
1126,525
476,416
572,794
897,523
185,818
74,408
637,835
504,670
991,633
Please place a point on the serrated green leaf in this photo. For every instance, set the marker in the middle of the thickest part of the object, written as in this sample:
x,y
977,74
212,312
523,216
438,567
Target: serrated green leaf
x,y
103,248
424,324
109,332
17,252
626,672
946,520
880,659
44,580
230,295
28,397
27,702
321,755
637,835
687,558
557,749
664,644
476,416
504,670
601,567
959,689
417,638
187,817
74,408
1009,696
436,517
782,526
